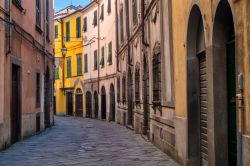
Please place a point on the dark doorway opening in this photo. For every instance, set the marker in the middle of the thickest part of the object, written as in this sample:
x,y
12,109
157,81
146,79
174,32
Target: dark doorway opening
x,y
79,103
112,102
15,105
96,104
88,105
103,101
130,98
69,103
225,113
198,136
47,99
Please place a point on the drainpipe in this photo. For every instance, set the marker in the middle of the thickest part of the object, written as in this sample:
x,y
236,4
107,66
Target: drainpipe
x,y
98,38
63,56
9,29
117,39
144,45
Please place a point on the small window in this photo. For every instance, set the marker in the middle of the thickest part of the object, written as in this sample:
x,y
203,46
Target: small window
x,y
135,12
85,26
124,88
156,75
109,6
57,77
67,31
118,89
38,13
47,20
38,89
95,60
102,63
79,65
137,83
69,67
56,31
102,12
121,25
110,54
86,63
95,19
78,27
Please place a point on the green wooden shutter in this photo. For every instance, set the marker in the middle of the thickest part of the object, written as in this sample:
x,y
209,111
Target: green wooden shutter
x,y
67,31
78,27
95,60
86,63
79,65
69,67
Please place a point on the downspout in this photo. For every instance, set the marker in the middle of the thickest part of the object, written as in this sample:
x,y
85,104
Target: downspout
x,y
9,29
117,39
63,56
144,45
98,13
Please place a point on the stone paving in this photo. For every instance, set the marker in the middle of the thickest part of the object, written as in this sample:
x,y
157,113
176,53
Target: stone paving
x,y
85,142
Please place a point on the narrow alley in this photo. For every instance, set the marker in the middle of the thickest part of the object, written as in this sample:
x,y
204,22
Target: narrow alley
x,y
80,141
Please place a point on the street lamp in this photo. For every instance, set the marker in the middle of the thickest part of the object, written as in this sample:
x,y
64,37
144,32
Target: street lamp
x,y
64,51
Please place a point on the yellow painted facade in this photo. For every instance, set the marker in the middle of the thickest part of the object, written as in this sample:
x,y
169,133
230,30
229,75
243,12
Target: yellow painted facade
x,y
65,84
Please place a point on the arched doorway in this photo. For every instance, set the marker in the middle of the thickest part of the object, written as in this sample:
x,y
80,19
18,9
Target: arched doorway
x,y
130,98
103,102
224,78
96,104
112,102
198,136
79,103
88,104
47,96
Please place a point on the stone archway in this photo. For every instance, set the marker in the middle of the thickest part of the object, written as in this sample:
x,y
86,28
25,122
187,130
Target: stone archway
x,y
224,86
103,103
198,137
112,103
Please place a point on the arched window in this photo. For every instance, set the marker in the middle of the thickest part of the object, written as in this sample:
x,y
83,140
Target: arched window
x,y
156,71
137,82
124,87
118,89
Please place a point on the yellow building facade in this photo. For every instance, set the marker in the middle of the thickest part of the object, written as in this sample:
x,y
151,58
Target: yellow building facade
x,y
68,63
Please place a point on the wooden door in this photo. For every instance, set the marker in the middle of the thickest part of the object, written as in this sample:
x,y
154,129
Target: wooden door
x,y
88,104
103,106
96,105
69,98
112,102
47,99
79,105
231,82
15,105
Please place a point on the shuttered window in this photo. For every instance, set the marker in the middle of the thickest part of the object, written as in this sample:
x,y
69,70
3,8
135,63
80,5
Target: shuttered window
x,y
85,26
156,76
95,19
110,53
86,63
56,32
95,60
79,64
67,31
69,67
121,25
38,13
102,62
57,68
47,19
38,89
78,27
109,6
102,12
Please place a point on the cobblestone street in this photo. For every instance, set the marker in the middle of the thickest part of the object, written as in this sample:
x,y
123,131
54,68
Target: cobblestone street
x,y
78,141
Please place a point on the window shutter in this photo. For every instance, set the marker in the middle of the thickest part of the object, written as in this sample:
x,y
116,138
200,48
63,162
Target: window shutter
x,y
78,27
109,6
85,25
67,31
